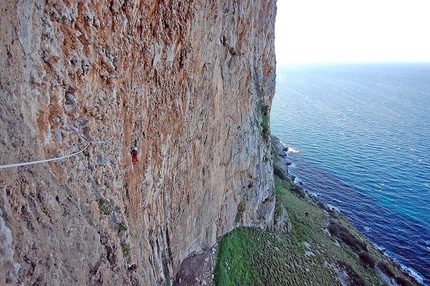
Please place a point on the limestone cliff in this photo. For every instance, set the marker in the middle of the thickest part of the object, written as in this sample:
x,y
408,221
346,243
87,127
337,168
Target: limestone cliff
x,y
186,82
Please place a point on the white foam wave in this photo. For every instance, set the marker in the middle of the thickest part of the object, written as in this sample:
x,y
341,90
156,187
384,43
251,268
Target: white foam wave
x,y
412,273
333,208
406,269
292,150
314,194
380,248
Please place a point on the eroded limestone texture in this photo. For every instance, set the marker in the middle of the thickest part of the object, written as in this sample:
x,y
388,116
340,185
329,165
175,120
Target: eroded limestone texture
x,y
185,82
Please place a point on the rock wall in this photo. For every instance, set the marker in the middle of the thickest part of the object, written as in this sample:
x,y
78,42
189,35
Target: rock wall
x,y
186,82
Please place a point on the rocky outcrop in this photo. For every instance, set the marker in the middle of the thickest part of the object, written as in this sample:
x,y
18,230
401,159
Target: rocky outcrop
x,y
186,82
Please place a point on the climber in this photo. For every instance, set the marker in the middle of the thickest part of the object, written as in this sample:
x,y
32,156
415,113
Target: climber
x,y
134,155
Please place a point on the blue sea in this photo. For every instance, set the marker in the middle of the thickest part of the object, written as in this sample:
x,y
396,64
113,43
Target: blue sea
x,y
359,138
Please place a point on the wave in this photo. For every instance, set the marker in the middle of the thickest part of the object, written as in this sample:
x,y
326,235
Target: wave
x,y
380,248
333,208
409,270
292,150
412,273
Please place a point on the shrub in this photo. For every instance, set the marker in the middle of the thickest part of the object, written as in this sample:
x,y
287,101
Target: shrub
x,y
351,241
403,282
301,231
384,268
333,228
264,112
355,278
265,128
264,109
122,228
344,235
125,249
240,210
320,205
105,206
298,191
278,172
366,259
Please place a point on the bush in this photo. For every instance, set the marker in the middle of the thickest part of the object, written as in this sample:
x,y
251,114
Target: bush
x,y
298,191
403,282
122,228
264,112
278,172
320,205
105,206
344,235
301,231
355,279
351,241
125,249
333,229
265,128
366,259
265,109
384,268
240,209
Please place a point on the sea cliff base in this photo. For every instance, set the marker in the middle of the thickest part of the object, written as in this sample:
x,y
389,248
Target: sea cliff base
x,y
309,243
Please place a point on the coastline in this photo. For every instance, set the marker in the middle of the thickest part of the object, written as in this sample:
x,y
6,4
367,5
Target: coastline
x,y
284,164
309,243
363,148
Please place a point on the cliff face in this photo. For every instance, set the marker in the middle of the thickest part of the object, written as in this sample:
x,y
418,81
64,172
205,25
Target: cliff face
x,y
186,82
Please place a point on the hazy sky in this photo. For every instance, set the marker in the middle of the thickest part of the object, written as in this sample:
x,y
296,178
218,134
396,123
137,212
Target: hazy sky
x,y
352,30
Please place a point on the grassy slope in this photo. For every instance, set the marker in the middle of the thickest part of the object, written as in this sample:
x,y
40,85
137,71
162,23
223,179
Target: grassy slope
x,y
320,247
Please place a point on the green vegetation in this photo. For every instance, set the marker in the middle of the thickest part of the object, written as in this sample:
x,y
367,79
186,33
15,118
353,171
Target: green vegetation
x,y
122,228
280,199
263,110
233,264
125,249
278,172
318,247
240,209
384,268
105,206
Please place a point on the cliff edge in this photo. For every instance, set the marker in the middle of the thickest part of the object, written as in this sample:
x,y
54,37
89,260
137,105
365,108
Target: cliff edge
x,y
189,83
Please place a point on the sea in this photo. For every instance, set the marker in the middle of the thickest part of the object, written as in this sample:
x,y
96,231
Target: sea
x,y
359,140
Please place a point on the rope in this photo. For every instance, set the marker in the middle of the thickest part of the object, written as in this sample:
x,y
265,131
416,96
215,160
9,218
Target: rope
x,y
43,161
59,158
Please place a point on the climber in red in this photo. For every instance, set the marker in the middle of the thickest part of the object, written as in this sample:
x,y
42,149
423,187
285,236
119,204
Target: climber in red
x,y
134,155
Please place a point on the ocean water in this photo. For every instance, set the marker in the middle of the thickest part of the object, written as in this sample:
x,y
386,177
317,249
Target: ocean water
x,y
360,141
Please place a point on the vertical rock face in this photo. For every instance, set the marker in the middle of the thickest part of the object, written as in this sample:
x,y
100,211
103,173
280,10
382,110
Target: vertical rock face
x,y
186,82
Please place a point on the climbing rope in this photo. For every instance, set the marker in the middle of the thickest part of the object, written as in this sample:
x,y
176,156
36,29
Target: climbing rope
x,y
58,158
44,161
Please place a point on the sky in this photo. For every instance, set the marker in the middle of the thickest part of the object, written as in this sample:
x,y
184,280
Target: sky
x,y
352,31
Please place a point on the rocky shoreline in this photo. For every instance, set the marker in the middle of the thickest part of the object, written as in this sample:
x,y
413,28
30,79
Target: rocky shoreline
x,y
309,243
281,154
